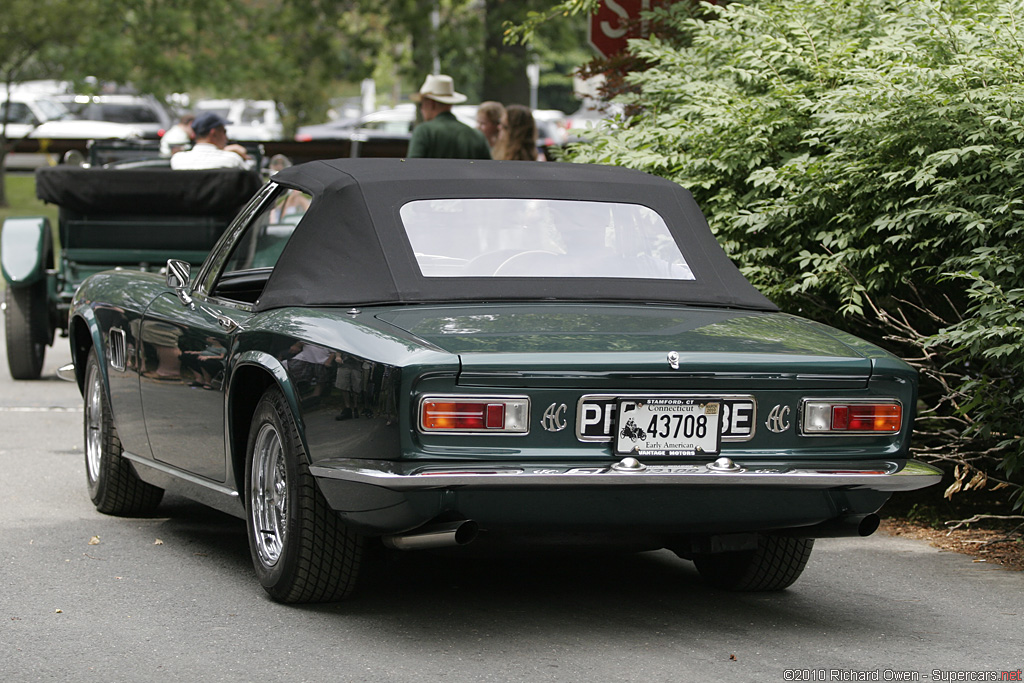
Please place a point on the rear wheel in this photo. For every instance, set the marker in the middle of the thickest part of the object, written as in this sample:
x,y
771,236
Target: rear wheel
x,y
777,562
300,548
26,324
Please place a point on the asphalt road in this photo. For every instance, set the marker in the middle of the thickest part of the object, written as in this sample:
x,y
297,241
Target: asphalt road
x,y
173,597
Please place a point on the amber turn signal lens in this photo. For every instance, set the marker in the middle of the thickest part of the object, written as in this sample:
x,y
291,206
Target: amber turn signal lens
x,y
458,414
883,417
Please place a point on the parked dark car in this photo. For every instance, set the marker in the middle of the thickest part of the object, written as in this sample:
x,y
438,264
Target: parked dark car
x,y
417,353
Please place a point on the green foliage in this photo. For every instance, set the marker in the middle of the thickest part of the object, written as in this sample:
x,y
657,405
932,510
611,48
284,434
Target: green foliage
x,y
299,53
861,160
525,31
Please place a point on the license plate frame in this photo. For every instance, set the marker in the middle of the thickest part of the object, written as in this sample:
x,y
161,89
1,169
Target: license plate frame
x,y
668,427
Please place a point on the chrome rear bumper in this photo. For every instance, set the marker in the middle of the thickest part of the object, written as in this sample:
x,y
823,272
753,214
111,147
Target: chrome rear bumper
x,y
887,475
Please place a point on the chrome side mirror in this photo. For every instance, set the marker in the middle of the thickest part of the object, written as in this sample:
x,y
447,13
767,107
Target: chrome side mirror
x,y
179,274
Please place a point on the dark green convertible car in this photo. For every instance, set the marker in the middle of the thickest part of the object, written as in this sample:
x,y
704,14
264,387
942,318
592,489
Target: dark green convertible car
x,y
420,353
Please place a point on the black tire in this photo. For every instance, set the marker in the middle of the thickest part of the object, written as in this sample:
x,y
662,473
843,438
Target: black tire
x,y
300,548
114,487
27,326
775,565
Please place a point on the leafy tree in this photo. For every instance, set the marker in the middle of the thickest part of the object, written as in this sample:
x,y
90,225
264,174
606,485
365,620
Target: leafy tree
x,y
30,30
470,45
861,160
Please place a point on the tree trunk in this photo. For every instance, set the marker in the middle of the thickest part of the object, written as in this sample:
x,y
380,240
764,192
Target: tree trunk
x,y
3,174
505,78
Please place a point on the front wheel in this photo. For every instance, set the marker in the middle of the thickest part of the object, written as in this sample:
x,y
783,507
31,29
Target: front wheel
x,y
777,562
114,486
300,548
27,327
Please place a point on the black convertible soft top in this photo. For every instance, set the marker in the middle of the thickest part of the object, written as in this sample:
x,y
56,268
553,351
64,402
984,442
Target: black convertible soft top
x,y
351,248
150,191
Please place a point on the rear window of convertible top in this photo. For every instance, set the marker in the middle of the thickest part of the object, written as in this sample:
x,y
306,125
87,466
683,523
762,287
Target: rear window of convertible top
x,y
510,237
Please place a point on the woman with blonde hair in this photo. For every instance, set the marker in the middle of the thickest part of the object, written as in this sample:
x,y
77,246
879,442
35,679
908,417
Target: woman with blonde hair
x,y
488,120
517,139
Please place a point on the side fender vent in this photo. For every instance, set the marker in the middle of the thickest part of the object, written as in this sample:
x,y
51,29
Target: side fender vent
x,y
116,344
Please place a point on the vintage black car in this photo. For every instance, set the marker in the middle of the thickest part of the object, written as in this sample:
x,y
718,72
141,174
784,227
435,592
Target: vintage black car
x,y
108,218
417,353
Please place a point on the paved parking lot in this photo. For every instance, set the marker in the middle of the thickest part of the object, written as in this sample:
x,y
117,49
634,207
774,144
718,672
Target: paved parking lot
x,y
88,597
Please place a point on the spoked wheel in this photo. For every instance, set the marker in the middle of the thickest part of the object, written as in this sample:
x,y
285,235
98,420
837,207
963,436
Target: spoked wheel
x,y
269,495
27,328
301,550
777,562
114,486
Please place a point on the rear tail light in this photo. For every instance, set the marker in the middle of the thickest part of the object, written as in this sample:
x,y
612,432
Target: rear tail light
x,y
852,417
475,414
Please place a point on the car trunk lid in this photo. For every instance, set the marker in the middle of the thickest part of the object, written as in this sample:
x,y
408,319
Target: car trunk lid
x,y
654,347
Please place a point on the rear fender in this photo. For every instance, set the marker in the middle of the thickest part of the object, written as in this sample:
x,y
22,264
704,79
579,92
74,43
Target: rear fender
x,y
84,335
26,250
242,396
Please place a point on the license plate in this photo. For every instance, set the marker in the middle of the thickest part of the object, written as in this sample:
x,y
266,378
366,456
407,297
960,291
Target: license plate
x,y
597,416
668,426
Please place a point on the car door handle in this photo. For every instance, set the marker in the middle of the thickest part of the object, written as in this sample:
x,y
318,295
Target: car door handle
x,y
222,320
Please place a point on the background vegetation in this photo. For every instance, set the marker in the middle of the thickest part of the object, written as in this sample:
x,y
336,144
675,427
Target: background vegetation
x,y
862,161
299,53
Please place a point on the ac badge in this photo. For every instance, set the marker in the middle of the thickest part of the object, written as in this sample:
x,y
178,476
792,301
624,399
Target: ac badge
x,y
778,421
554,418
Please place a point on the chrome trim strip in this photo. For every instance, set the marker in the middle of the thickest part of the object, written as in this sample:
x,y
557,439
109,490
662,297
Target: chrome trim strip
x,y
179,474
876,475
655,394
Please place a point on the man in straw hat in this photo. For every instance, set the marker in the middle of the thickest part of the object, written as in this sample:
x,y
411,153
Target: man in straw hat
x,y
441,135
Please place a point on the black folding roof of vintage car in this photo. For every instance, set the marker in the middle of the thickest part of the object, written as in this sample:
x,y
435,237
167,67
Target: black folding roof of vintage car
x,y
146,190
351,249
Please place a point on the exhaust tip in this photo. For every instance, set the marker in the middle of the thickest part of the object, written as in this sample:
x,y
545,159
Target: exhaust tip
x,y
868,525
443,535
466,532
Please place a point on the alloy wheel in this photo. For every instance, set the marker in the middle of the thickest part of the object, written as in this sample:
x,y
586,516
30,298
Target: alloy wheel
x,y
268,495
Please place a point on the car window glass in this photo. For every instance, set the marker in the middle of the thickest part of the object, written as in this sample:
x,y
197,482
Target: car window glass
x,y
123,113
51,109
263,242
541,238
222,112
253,114
255,254
19,113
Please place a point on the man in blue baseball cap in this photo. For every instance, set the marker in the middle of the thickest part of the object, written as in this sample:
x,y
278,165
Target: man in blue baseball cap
x,y
211,149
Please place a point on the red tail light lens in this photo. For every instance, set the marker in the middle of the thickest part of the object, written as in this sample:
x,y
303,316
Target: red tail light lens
x,y
470,414
832,417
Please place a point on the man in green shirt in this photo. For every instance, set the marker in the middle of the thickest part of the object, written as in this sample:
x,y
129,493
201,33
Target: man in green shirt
x,y
441,135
